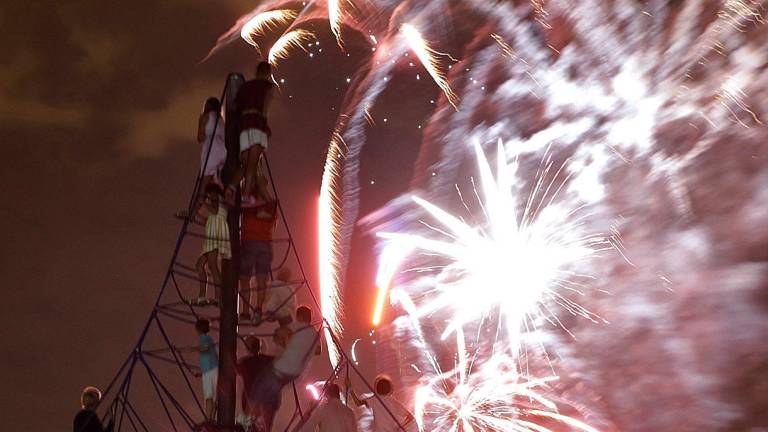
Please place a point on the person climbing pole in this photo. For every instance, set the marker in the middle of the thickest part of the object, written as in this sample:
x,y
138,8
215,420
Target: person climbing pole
x,y
256,252
215,246
252,102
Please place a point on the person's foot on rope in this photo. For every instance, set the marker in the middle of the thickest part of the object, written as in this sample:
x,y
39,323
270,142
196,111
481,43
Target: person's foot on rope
x,y
182,214
200,301
256,318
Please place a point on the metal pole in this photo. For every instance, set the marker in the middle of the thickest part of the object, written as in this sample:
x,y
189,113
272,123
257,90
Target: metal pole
x,y
227,397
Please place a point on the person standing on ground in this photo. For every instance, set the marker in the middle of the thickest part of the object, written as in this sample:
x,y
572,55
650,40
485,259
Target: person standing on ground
x,y
332,416
86,419
388,414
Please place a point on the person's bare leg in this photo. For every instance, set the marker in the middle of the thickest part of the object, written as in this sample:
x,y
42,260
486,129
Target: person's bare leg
x,y
202,276
262,190
251,163
213,266
245,294
261,290
209,407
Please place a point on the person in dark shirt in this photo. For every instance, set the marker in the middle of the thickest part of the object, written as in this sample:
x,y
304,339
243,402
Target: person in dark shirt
x,y
250,369
252,103
86,419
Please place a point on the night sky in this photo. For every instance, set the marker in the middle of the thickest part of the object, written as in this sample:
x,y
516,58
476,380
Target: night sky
x,y
99,104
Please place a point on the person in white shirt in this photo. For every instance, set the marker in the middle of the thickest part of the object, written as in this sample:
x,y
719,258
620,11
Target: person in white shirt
x,y
388,414
281,301
288,366
332,416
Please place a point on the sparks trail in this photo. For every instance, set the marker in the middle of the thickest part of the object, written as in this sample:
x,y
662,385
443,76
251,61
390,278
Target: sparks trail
x,y
328,238
291,40
429,59
517,267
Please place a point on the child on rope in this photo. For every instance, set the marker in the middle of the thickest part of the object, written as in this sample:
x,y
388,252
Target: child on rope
x,y
252,103
216,245
256,250
86,419
209,365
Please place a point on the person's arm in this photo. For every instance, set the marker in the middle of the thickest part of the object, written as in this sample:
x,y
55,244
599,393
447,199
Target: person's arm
x,y
268,96
211,205
314,420
355,399
201,127
268,211
110,425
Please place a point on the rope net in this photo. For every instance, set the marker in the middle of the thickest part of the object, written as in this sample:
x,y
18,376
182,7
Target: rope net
x,y
167,370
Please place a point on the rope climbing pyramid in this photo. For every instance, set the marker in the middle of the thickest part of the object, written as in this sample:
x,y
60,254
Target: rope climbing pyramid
x,y
157,387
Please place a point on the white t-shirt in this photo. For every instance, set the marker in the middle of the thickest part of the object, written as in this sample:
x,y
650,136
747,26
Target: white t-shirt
x,y
332,416
280,300
299,350
218,153
382,420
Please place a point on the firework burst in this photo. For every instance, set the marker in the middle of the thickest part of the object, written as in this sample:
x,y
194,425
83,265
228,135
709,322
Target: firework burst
x,y
293,39
518,263
264,22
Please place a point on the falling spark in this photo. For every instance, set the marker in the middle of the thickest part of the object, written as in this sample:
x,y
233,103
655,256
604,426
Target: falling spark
x,y
389,262
328,244
428,58
335,19
313,391
731,94
293,39
516,264
265,21
488,397
354,354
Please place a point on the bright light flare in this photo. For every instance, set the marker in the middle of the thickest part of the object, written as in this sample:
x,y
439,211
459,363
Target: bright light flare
x,y
328,225
335,19
428,58
490,396
313,391
293,39
354,353
264,22
518,264
389,262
